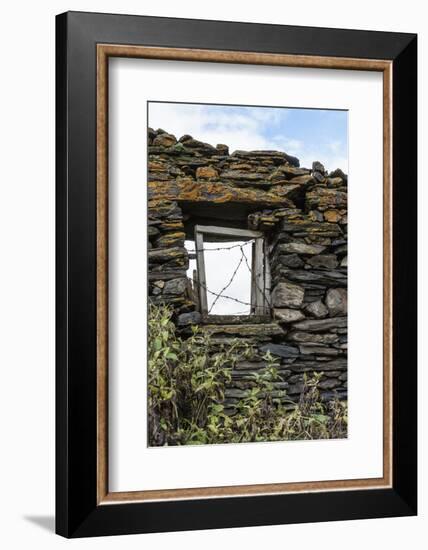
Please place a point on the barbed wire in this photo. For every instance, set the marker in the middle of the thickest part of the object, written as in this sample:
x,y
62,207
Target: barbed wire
x,y
227,285
262,290
219,248
245,312
221,294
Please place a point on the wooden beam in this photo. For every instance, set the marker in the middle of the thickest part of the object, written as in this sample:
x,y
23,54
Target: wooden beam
x,y
228,231
258,276
253,281
267,277
200,262
196,289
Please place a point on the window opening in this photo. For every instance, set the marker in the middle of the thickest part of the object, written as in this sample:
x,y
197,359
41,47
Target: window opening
x,y
229,271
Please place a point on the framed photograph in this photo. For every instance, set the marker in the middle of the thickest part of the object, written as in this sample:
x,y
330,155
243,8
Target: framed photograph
x,y
236,274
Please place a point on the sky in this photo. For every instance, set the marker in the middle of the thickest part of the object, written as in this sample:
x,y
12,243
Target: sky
x,y
225,268
308,134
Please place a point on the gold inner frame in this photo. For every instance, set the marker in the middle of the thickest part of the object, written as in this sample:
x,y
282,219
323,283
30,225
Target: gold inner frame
x,y
104,51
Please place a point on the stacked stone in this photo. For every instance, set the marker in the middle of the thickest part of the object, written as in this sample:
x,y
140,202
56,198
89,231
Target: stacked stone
x,y
255,334
194,171
167,257
303,213
308,261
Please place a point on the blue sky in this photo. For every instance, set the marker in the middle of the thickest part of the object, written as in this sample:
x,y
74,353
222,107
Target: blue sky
x,y
309,134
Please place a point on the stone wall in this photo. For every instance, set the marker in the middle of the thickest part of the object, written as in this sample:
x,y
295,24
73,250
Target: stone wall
x,y
303,214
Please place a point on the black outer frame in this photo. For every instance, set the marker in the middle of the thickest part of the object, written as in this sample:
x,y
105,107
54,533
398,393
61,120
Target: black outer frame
x,y
77,513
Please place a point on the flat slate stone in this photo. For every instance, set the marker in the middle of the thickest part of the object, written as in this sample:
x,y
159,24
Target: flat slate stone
x,y
296,388
262,330
290,172
324,278
329,261
189,190
290,260
166,274
303,179
329,384
164,140
165,254
242,175
323,198
286,294
320,325
317,309
192,318
306,366
152,231
281,350
337,301
285,315
338,173
310,227
206,172
317,349
310,337
276,156
300,248
249,366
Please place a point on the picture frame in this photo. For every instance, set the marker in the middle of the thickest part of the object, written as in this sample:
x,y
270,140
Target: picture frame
x,y
84,44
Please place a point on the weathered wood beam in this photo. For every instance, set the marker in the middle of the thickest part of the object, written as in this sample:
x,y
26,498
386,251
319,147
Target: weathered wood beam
x,y
228,231
200,262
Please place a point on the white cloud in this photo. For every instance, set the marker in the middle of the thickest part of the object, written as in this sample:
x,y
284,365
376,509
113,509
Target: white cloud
x,y
243,129
285,143
220,265
335,146
238,130
329,160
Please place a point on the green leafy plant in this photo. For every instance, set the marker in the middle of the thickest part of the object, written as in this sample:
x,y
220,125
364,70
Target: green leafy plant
x,y
187,379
